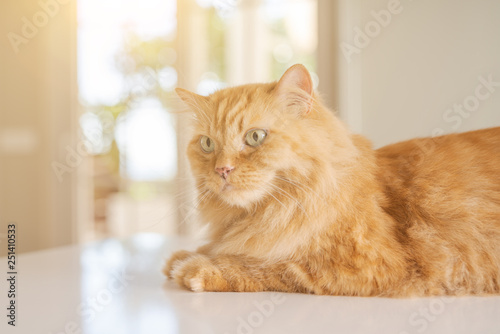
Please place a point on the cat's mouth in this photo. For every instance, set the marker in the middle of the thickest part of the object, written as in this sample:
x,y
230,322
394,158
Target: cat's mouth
x,y
226,187
238,195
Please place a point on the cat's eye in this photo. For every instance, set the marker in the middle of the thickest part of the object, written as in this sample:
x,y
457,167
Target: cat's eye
x,y
207,144
255,137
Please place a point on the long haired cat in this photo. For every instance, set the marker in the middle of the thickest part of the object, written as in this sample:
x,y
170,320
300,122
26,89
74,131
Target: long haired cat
x,y
297,203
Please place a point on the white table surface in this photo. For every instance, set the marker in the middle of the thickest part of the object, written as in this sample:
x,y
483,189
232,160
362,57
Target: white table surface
x,y
76,290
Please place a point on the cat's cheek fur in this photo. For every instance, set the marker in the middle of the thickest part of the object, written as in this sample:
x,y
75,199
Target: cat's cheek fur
x,y
247,185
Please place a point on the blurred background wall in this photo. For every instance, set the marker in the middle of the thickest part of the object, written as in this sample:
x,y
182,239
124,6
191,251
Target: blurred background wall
x,y
38,119
89,148
413,68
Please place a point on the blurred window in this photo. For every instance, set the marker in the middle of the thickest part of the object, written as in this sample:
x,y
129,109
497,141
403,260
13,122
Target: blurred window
x,y
128,56
126,70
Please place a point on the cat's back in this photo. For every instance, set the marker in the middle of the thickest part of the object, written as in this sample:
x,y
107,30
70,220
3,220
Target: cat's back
x,y
445,159
441,175
418,151
444,195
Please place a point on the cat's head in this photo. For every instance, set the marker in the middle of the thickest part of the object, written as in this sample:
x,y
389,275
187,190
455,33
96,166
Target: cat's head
x,y
248,139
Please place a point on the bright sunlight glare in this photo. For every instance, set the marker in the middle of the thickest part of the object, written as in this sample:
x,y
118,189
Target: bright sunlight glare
x,y
148,137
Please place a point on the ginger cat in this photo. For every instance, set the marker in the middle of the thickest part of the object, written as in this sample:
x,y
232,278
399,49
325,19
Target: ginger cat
x,y
297,203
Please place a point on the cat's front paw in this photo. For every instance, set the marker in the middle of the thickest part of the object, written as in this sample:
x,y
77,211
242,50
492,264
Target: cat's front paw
x,y
198,273
174,260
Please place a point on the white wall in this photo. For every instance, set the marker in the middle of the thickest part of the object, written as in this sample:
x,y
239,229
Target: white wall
x,y
428,58
37,122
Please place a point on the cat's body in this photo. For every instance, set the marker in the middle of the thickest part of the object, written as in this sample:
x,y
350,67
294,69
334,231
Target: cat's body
x,y
313,208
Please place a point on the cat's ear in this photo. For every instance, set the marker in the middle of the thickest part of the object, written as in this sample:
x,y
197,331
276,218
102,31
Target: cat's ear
x,y
295,89
192,100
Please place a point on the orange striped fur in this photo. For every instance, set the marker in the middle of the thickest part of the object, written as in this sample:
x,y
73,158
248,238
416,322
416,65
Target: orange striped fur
x,y
314,209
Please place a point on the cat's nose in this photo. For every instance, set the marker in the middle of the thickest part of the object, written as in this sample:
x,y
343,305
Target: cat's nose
x,y
224,171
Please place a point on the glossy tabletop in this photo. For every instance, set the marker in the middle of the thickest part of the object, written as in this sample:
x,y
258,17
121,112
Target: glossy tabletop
x,y
116,286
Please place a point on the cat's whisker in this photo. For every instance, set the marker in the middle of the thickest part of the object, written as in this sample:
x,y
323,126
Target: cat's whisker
x,y
286,195
184,178
299,185
189,192
191,202
283,192
204,196
192,189
222,205
193,194
270,194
